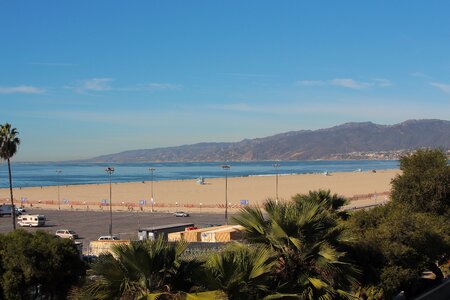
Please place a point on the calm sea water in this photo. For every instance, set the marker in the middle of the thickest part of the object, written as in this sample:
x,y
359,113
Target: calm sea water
x,y
44,174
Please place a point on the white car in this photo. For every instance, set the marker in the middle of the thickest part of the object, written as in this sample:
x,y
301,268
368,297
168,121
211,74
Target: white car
x,y
66,234
108,238
181,214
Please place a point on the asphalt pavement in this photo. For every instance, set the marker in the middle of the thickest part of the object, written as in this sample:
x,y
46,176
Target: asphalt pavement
x,y
90,225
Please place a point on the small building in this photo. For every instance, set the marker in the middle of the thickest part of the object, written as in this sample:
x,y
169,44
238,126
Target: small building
x,y
218,234
191,235
154,232
222,235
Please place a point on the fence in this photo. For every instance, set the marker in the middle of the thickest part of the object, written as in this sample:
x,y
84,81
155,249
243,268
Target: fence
x,y
127,206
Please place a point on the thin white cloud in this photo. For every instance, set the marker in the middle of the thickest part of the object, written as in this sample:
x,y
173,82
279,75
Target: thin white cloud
x,y
241,107
53,64
363,109
151,86
94,85
442,86
419,74
90,116
381,82
348,83
246,74
21,89
105,84
312,82
160,86
115,117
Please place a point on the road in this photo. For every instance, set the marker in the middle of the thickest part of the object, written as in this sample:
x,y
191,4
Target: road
x,y
90,225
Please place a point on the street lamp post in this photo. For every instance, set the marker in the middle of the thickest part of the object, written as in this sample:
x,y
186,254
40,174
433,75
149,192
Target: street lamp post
x,y
226,168
276,166
110,171
151,198
58,172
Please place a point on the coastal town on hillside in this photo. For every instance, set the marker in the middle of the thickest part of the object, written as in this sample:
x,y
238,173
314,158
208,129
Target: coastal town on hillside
x,y
375,155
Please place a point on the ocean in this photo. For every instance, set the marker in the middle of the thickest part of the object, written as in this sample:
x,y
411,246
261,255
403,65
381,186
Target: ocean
x,y
45,174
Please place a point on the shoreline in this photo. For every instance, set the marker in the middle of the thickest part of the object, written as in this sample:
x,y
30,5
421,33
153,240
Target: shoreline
x,y
186,194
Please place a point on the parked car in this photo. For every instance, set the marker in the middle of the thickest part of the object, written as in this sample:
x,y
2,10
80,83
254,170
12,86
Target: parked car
x,y
181,214
7,209
108,238
66,234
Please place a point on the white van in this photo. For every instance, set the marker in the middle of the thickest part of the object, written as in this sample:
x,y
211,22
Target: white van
x,y
31,220
109,238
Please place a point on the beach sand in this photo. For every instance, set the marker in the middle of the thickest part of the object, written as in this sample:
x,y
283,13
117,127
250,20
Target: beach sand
x,y
362,187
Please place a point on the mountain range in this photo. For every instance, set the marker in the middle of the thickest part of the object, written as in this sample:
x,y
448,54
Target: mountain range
x,y
326,143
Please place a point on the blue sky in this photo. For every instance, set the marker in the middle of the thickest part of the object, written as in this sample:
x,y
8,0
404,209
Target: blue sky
x,y
85,78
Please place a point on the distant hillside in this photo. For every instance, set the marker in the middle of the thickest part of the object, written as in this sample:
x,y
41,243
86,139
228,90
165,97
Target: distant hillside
x,y
304,144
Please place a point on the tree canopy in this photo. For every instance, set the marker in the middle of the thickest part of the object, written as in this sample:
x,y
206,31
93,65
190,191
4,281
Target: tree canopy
x,y
37,264
424,185
399,241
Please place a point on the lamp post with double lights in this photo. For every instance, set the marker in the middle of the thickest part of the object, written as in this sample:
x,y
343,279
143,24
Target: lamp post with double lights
x,y
276,166
58,172
151,198
110,171
226,168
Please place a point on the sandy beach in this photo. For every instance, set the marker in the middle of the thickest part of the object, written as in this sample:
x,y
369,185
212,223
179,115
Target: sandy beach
x,y
189,195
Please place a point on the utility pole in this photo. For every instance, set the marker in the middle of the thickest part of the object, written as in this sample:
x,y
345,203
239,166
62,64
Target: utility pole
x,y
276,166
226,168
110,171
151,198
58,172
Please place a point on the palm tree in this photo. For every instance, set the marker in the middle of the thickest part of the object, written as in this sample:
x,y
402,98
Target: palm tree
x,y
310,244
333,202
242,271
140,268
9,143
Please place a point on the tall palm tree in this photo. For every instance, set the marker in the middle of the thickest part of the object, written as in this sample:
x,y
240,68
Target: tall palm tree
x,y
9,142
310,244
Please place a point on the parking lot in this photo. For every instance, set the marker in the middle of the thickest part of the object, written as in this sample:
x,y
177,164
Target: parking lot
x,y
90,225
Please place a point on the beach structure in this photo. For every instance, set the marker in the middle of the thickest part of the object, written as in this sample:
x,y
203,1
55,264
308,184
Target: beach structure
x,y
154,232
191,235
217,234
223,235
